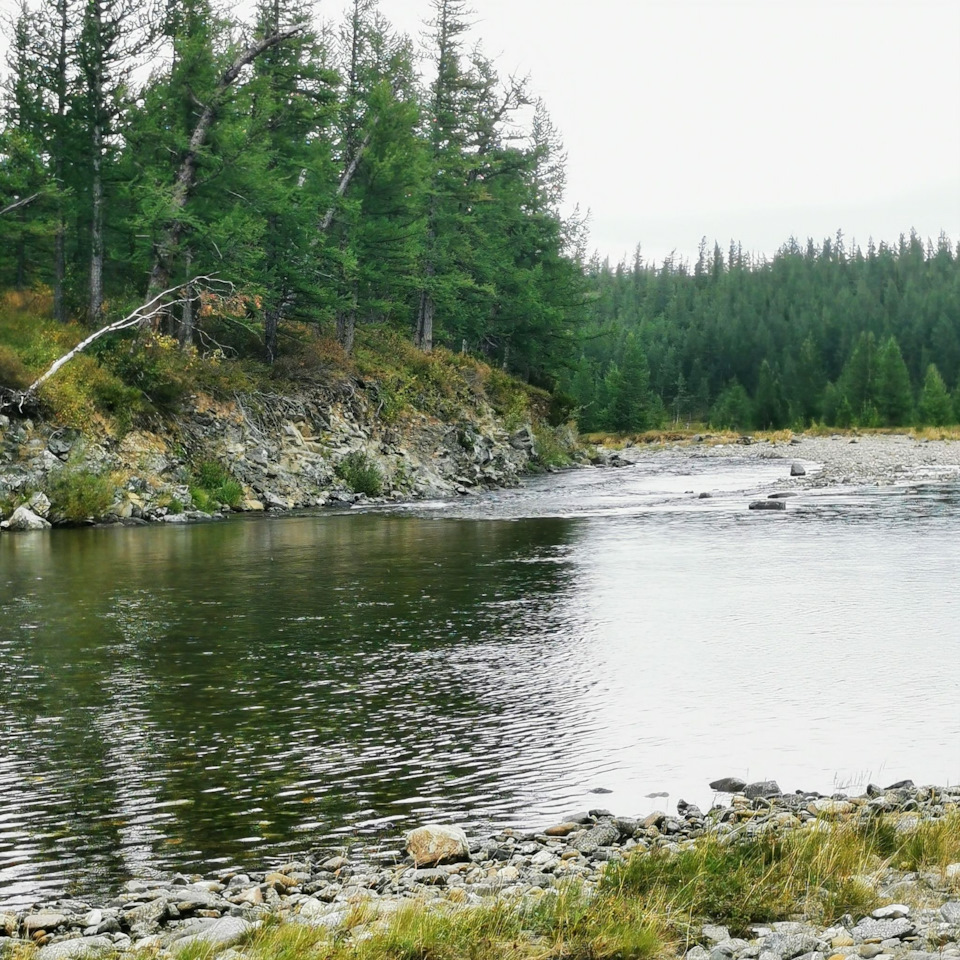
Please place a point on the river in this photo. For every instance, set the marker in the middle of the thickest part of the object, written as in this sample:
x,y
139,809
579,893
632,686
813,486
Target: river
x,y
186,698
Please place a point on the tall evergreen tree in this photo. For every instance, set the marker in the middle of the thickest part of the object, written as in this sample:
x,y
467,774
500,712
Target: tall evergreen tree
x,y
936,408
894,393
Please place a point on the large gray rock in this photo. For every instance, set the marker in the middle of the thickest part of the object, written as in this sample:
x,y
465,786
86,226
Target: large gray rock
x,y
437,843
602,835
217,933
762,788
76,949
786,946
43,920
728,785
24,519
768,505
870,929
951,912
797,470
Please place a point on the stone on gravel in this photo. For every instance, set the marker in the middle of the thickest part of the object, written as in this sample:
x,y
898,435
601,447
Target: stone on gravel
x,y
43,920
786,946
894,911
762,788
437,843
602,835
831,808
75,949
797,470
728,785
950,912
218,933
715,932
878,930
24,519
561,829
768,505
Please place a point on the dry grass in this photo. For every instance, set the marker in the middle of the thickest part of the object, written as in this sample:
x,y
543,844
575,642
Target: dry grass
x,y
651,906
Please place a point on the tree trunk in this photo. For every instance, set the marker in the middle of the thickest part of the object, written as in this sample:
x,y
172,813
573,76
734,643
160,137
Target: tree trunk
x,y
186,318
186,176
347,322
424,337
95,305
271,323
59,242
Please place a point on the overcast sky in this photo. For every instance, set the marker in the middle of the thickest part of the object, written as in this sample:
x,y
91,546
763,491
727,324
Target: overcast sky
x,y
741,119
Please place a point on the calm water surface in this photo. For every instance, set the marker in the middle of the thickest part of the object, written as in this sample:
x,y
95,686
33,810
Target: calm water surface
x,y
234,693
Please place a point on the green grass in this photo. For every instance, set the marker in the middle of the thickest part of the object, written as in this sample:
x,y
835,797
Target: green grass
x,y
213,486
77,494
649,907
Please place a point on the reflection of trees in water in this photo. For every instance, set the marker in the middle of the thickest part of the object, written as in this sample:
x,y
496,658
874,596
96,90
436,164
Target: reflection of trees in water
x,y
272,673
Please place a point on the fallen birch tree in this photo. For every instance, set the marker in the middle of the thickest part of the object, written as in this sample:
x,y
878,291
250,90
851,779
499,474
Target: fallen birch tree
x,y
144,314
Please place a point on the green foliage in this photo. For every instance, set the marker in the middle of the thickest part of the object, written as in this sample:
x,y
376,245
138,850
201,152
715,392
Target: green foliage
x,y
869,322
13,374
213,486
78,494
733,409
360,474
894,393
552,446
936,408
770,411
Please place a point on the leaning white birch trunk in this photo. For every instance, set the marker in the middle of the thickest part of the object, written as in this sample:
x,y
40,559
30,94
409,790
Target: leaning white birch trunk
x,y
141,314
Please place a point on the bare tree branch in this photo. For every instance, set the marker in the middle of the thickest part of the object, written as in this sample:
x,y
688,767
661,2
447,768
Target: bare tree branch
x,y
18,203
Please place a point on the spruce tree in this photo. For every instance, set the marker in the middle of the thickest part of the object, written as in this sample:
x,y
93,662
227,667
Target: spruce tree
x,y
936,408
894,393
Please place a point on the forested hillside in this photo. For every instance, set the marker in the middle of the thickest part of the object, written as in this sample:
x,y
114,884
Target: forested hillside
x,y
822,333
286,179
313,168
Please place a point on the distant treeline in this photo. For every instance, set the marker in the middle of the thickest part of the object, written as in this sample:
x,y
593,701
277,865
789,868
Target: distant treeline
x,y
817,334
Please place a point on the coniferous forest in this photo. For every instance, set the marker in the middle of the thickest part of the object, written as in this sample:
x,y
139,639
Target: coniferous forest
x,y
309,166
341,177
818,334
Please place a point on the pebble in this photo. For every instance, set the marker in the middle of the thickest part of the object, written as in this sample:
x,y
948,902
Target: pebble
x,y
189,913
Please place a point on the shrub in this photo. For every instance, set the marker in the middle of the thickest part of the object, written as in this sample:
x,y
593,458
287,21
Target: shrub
x,y
551,451
214,485
77,494
13,373
360,474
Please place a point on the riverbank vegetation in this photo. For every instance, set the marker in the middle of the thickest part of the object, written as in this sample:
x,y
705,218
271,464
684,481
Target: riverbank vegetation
x,y
320,198
653,905
308,167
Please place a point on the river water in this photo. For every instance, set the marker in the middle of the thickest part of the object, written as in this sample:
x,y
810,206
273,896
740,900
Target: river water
x,y
185,698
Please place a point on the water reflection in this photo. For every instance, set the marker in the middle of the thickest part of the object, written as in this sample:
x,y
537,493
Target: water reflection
x,y
240,692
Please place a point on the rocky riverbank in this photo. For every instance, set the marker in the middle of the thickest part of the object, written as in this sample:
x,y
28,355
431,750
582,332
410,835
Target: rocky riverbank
x,y
280,452
914,913
832,461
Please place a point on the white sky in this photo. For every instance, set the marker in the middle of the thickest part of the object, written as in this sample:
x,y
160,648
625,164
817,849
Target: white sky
x,y
741,119
748,120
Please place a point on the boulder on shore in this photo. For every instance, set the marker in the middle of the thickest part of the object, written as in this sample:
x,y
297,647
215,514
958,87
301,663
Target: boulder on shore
x,y
728,785
24,519
436,843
